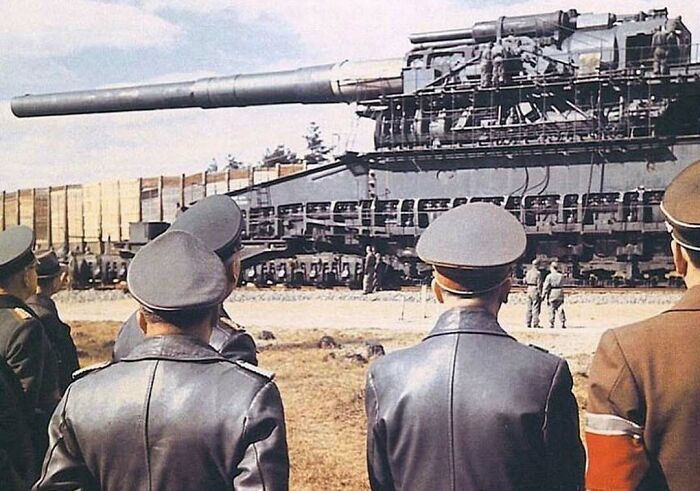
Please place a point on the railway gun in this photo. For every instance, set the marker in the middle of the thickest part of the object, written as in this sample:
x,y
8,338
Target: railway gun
x,y
573,122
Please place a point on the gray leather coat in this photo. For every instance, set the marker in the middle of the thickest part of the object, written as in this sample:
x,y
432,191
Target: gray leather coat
x,y
470,408
228,338
172,415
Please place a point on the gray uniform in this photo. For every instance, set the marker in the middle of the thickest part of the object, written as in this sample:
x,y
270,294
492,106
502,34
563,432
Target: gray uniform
x,y
486,67
554,293
173,414
533,279
470,408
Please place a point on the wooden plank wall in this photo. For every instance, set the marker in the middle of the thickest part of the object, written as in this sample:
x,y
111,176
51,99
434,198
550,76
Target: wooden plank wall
x,y
73,216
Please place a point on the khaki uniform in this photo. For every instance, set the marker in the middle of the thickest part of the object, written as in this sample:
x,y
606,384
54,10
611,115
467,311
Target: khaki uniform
x,y
643,424
533,280
553,291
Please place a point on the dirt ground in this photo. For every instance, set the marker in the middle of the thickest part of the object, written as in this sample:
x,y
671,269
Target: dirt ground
x,y
323,390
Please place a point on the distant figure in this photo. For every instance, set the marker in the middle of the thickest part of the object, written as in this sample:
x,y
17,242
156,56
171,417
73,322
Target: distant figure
x,y
498,54
486,66
659,43
369,277
469,408
51,280
533,280
643,414
553,292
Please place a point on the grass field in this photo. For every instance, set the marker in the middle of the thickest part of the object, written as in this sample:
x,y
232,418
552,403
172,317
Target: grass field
x,y
323,396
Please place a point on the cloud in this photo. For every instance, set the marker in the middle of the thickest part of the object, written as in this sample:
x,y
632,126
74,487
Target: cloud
x,y
38,28
53,151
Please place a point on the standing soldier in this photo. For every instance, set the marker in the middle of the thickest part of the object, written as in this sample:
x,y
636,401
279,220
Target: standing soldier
x,y
23,342
218,221
660,46
370,273
533,280
486,66
643,421
174,413
498,54
51,279
553,292
470,408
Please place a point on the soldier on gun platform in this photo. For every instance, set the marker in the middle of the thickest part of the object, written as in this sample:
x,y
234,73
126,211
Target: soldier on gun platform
x,y
174,413
486,66
470,408
642,427
218,221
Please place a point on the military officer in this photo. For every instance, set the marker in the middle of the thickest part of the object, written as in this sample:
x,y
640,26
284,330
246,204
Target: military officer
x,y
643,421
50,281
470,408
533,280
218,221
553,291
23,342
174,413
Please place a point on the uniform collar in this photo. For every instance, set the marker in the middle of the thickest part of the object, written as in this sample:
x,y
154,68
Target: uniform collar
x,y
173,347
465,320
689,301
12,302
43,300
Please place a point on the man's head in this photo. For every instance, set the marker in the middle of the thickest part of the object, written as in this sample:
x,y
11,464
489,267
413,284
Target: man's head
x,y
17,262
681,206
472,249
554,266
50,273
218,222
179,283
536,262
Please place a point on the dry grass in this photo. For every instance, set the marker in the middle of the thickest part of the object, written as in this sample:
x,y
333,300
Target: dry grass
x,y
323,396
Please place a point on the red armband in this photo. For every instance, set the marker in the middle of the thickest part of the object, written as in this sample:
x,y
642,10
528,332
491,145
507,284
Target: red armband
x,y
617,459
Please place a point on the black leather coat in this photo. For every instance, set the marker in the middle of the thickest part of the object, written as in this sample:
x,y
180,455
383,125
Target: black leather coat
x,y
58,333
172,415
470,408
227,338
18,461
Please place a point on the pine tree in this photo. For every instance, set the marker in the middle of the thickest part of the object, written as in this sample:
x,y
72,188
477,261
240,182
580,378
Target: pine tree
x,y
317,150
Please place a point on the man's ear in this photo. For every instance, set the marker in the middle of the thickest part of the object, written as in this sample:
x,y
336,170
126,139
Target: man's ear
x,y
437,291
141,319
679,259
505,290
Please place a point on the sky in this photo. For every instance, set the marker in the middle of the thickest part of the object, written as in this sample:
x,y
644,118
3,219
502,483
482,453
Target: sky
x,y
62,45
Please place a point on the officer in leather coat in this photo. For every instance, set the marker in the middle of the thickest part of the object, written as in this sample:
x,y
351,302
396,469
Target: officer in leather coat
x,y
218,221
173,414
470,408
23,342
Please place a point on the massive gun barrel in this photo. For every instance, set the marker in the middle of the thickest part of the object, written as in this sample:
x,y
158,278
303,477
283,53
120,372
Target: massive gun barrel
x,y
556,23
346,81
